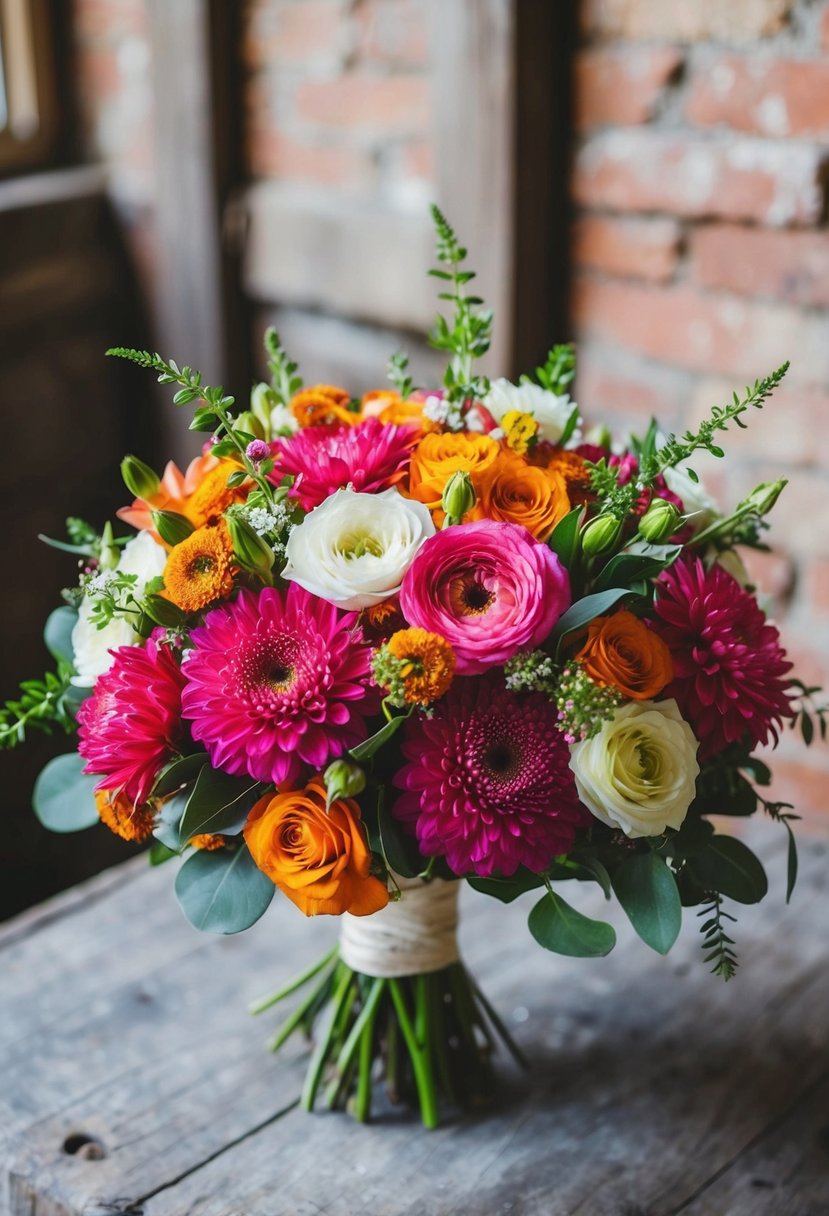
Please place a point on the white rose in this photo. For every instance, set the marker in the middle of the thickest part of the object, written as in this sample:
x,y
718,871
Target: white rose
x,y
143,557
353,549
550,412
699,506
639,772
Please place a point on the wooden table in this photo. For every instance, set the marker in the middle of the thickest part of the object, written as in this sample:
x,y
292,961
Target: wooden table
x,y
133,1081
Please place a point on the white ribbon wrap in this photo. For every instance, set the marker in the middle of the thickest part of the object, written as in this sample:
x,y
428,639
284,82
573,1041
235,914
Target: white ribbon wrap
x,y
413,935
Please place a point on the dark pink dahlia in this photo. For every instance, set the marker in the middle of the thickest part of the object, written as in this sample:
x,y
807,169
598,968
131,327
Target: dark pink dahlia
x,y
131,725
275,681
729,667
488,784
370,456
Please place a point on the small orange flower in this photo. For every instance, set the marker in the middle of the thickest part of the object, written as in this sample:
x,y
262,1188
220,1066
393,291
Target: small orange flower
x,y
199,570
573,468
319,858
207,841
438,456
133,823
515,492
428,664
323,405
213,495
621,651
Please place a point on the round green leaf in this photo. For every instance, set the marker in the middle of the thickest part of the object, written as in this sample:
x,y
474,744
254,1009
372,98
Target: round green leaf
x,y
222,891
63,797
57,633
558,927
647,891
730,867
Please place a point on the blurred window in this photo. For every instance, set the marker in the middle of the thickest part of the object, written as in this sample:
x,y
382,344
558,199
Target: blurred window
x,y
29,118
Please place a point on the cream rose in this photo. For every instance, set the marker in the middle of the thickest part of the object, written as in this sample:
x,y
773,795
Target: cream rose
x,y
353,549
91,646
550,412
639,772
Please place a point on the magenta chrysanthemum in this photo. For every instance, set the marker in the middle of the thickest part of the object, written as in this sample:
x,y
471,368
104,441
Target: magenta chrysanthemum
x,y
488,783
369,457
729,667
131,725
490,588
276,681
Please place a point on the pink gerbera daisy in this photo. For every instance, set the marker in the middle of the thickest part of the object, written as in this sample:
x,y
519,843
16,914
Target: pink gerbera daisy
x,y
131,725
276,681
488,780
370,456
729,667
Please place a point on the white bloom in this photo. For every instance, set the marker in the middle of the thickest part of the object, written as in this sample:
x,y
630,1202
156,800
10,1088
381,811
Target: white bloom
x,y
699,506
734,565
282,420
353,549
639,772
143,557
550,412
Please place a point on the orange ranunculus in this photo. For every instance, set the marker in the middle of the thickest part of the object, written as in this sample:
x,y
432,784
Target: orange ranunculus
x,y
438,456
621,651
173,494
323,405
518,493
318,858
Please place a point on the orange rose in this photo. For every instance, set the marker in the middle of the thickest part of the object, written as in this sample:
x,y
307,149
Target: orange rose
x,y
620,650
323,405
518,493
318,858
438,456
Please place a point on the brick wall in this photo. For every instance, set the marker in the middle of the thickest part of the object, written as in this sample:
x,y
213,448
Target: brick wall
x,y
702,260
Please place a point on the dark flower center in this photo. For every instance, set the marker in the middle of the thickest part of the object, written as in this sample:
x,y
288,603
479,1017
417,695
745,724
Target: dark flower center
x,y
502,760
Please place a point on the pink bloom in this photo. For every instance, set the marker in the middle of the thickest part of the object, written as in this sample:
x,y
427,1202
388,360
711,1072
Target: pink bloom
x,y
489,588
131,725
277,681
488,780
369,456
729,666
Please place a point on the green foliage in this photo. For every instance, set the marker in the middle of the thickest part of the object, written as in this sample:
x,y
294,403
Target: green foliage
x,y
640,560
779,812
557,926
43,705
508,889
398,373
583,612
219,804
559,369
63,798
612,498
729,867
398,847
564,541
647,891
468,334
808,712
80,532
285,380
222,891
365,750
57,634
716,944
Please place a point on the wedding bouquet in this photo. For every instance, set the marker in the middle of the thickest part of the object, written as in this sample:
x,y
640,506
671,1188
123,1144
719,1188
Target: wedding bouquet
x,y
362,649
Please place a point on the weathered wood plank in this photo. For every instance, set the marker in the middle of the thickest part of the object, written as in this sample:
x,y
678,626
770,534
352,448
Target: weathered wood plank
x,y
169,1074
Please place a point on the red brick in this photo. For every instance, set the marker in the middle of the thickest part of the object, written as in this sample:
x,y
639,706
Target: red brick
x,y
785,265
622,85
720,334
295,32
769,96
626,396
802,780
103,21
773,574
786,430
394,31
641,170
689,20
384,103
273,153
632,248
800,519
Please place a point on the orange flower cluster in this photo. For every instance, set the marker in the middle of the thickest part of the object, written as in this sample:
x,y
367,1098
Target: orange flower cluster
x,y
199,570
323,405
427,664
133,823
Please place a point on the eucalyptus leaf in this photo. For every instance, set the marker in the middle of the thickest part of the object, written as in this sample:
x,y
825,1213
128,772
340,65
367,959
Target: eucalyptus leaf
x,y
557,926
57,633
222,890
729,866
64,798
166,829
177,773
219,804
507,889
647,891
159,853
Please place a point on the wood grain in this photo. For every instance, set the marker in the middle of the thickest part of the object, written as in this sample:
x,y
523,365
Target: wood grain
x,y
654,1090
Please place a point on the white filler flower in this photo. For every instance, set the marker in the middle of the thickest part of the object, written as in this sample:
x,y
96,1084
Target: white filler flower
x,y
142,556
639,772
550,412
353,549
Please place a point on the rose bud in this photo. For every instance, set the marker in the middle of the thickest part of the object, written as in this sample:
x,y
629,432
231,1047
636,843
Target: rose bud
x,y
172,527
458,498
660,521
252,552
600,535
343,779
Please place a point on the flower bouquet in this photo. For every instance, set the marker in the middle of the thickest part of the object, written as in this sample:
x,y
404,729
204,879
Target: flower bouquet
x,y
363,649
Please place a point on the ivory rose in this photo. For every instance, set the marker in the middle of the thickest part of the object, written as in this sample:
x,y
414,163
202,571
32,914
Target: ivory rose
x,y
621,651
639,772
317,857
353,549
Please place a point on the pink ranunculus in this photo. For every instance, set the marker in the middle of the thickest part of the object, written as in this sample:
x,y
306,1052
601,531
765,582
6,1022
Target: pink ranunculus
x,y
489,588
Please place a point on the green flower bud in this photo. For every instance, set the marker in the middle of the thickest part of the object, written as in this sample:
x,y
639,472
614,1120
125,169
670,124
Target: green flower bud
x,y
660,521
458,498
253,553
763,497
110,554
343,779
600,535
249,423
139,478
172,527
